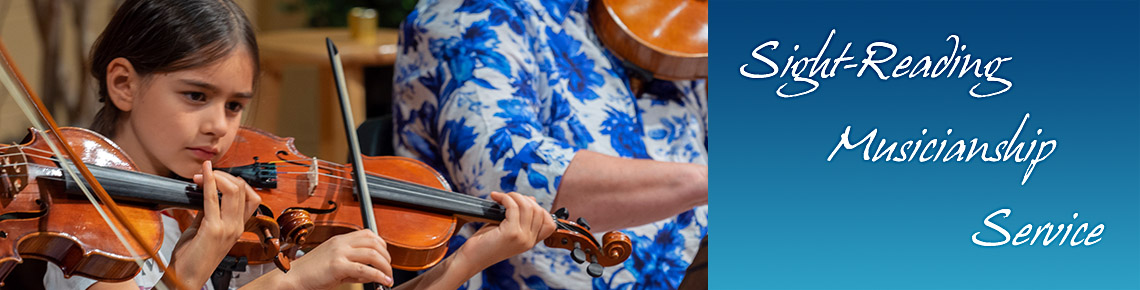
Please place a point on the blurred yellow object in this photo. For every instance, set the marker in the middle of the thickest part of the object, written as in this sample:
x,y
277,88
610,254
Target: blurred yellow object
x,y
353,286
362,24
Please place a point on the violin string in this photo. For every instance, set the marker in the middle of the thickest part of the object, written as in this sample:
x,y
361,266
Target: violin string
x,y
16,154
46,158
308,173
381,182
300,163
35,149
16,164
295,162
335,177
386,184
337,185
54,159
292,163
51,159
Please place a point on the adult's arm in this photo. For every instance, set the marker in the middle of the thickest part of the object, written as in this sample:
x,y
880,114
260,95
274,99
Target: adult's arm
x,y
615,193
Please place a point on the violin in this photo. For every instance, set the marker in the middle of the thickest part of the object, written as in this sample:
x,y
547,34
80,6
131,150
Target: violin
x,y
415,209
304,202
40,219
664,39
46,216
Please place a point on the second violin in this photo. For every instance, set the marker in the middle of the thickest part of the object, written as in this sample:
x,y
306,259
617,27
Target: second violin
x,y
313,200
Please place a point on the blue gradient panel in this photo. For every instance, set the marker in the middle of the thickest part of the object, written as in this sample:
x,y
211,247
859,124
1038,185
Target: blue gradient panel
x,y
787,218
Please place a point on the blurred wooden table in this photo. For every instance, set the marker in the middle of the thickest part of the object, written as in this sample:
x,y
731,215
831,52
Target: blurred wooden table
x,y
307,47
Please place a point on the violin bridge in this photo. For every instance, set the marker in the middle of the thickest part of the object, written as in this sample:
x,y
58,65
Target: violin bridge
x,y
314,177
13,171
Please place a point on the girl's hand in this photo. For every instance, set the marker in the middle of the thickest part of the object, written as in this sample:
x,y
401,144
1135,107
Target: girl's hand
x,y
525,225
216,228
356,257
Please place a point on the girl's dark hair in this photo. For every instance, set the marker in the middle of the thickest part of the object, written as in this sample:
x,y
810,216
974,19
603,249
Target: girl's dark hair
x,y
159,36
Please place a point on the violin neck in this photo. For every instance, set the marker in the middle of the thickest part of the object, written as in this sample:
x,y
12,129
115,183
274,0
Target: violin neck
x,y
395,192
164,192
142,188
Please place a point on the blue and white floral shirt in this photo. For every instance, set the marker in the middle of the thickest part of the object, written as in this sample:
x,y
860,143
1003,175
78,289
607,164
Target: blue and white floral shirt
x,y
499,95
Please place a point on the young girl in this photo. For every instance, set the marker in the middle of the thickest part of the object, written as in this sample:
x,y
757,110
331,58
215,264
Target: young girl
x,y
175,77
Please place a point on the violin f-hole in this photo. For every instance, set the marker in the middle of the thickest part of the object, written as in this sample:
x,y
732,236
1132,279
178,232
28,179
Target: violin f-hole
x,y
26,214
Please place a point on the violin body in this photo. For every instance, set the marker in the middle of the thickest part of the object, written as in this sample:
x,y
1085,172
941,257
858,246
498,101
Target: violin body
x,y
416,239
667,38
38,219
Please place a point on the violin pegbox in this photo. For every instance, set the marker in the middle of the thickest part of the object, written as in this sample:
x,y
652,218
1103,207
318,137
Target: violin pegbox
x,y
576,237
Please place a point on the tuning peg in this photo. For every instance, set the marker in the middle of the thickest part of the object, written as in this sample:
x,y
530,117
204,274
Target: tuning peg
x,y
594,269
582,222
562,213
578,254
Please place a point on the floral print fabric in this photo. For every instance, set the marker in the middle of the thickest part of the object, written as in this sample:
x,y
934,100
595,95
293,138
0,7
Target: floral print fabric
x,y
499,95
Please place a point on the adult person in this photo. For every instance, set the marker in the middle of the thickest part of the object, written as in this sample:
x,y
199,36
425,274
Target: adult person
x,y
520,96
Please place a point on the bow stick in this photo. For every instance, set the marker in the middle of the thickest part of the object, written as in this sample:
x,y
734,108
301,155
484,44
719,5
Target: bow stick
x,y
368,217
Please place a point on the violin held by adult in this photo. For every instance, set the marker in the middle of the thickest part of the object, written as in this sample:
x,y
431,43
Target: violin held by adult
x,y
664,39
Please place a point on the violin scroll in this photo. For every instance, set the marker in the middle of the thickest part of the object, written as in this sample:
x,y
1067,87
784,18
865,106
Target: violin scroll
x,y
296,225
576,237
617,246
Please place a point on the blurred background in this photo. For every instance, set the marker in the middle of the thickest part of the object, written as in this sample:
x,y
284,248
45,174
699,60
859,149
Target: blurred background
x,y
49,41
